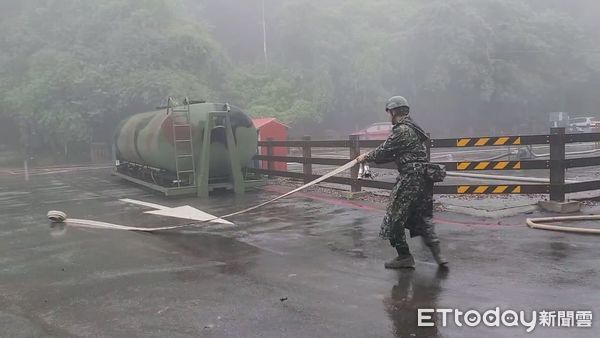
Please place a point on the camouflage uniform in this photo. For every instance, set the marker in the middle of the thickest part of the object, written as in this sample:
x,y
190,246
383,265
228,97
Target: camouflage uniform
x,y
411,199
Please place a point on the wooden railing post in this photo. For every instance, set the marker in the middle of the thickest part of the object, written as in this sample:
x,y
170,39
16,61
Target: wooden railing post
x,y
269,153
557,164
306,154
354,152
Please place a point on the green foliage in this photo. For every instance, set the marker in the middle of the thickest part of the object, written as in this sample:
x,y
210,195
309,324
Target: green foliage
x,y
73,69
280,93
70,70
460,62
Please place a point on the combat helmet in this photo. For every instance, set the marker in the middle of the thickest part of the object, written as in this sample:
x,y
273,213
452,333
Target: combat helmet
x,y
396,102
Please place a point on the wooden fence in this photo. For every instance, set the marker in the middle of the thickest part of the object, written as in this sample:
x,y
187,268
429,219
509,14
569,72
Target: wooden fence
x,y
556,164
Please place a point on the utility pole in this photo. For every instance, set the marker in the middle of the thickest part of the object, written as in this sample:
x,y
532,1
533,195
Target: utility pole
x,y
264,27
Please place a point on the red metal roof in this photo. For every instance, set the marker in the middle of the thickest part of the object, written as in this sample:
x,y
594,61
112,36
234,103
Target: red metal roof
x,y
261,122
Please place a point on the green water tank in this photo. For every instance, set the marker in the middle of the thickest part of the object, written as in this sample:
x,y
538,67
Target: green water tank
x,y
147,139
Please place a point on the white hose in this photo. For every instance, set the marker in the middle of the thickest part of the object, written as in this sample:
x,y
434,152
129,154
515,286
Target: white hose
x,y
504,178
583,152
59,216
533,223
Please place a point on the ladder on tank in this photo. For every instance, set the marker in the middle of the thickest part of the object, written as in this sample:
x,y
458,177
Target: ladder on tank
x,y
183,146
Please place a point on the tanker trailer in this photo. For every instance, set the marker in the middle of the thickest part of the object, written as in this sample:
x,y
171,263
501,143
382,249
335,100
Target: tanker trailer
x,y
169,150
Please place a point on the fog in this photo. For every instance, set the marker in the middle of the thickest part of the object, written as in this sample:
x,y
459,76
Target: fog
x,y
70,70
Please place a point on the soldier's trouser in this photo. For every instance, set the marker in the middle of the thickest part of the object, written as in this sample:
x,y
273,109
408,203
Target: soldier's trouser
x,y
424,218
411,207
427,233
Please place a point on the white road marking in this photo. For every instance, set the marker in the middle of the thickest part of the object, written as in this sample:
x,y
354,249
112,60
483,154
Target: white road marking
x,y
185,212
189,213
146,204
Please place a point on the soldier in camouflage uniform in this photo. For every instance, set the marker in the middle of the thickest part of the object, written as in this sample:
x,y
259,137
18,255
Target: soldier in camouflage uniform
x,y
411,200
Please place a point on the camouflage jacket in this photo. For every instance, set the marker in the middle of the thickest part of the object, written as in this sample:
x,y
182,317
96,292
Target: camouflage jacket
x,y
406,144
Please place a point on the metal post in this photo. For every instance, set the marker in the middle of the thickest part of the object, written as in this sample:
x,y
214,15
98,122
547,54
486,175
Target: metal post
x,y
113,154
306,154
269,153
354,152
264,27
557,164
26,171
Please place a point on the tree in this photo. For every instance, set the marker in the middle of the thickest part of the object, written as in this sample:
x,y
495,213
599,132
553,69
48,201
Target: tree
x,y
73,69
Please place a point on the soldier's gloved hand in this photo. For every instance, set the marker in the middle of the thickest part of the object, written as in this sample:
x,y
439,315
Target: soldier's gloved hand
x,y
361,158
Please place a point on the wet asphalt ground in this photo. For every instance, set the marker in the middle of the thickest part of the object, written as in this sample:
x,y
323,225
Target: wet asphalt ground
x,y
307,266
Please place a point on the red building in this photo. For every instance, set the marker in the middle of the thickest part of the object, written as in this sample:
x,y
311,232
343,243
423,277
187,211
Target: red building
x,y
270,128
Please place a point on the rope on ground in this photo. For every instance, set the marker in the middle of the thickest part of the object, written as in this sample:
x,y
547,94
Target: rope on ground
x,y
534,224
59,216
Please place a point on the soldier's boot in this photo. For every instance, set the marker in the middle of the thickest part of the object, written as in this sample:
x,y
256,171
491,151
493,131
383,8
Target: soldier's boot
x,y
437,254
404,260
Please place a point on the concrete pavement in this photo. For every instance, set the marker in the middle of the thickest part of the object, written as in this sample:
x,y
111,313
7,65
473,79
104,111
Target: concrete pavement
x,y
308,266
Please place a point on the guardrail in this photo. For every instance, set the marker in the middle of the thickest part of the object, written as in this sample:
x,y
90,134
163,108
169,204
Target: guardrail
x,y
556,164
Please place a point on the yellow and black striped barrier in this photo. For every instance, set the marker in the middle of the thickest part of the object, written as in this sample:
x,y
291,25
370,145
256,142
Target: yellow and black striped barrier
x,y
490,141
496,165
492,189
488,189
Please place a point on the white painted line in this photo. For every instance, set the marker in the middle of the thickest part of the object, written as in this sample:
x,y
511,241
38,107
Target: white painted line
x,y
146,204
185,212
189,213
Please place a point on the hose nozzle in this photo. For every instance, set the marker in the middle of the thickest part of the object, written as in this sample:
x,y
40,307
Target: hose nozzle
x,y
364,171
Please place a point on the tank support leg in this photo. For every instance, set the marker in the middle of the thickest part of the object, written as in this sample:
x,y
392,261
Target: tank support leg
x,y
236,168
203,165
